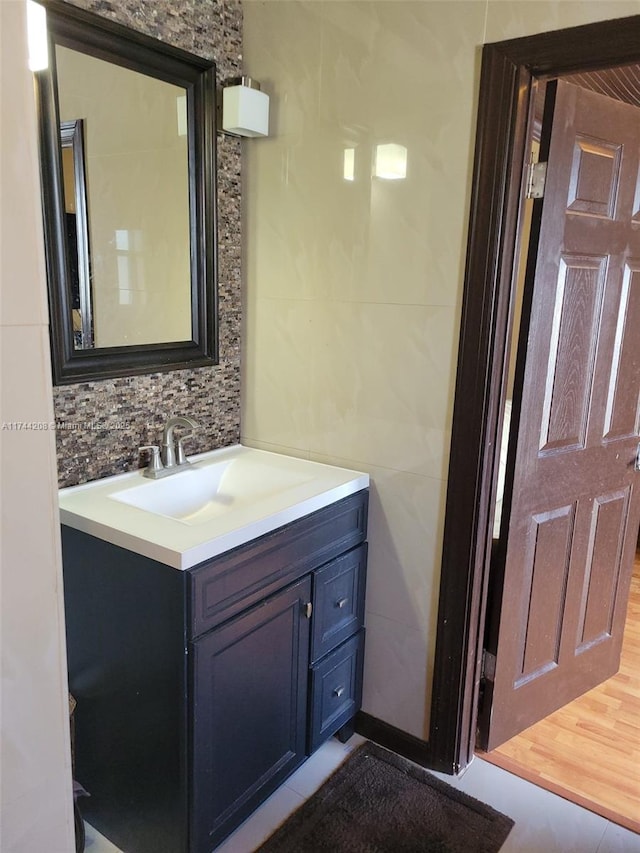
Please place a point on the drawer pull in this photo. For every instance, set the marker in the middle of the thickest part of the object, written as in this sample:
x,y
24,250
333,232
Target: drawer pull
x,y
308,609
338,691
341,602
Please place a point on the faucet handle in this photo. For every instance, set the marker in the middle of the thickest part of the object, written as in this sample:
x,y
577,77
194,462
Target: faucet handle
x,y
181,459
154,459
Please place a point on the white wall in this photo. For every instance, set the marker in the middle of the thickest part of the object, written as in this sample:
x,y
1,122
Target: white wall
x,y
353,288
35,757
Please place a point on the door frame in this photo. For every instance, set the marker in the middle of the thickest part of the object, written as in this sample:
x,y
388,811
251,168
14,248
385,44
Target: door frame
x,y
507,73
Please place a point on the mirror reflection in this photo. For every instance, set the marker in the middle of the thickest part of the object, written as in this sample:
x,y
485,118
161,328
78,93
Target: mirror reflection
x,y
137,287
77,231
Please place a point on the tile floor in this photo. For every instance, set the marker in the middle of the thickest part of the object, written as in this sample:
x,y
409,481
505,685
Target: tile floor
x,y
545,823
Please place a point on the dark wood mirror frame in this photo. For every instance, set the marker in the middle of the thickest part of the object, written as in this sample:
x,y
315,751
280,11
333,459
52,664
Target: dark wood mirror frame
x,y
79,30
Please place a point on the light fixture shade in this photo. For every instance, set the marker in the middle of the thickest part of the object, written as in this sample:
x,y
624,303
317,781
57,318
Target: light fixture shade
x,y
245,109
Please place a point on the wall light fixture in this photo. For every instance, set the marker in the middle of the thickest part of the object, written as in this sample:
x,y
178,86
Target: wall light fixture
x,y
245,109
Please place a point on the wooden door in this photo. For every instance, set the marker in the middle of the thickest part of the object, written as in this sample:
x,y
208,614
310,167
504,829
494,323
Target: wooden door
x,y
250,711
556,620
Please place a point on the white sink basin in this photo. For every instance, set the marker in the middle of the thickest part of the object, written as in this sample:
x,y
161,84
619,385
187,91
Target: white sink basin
x,y
208,490
225,498
191,496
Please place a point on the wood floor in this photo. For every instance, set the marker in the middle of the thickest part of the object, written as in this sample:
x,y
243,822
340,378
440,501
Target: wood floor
x,y
589,751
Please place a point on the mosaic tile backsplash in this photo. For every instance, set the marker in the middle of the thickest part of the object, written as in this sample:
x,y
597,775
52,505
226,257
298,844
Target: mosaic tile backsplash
x,y
102,424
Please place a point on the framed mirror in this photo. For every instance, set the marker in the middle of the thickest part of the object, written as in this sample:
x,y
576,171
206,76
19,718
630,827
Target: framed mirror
x,y
128,168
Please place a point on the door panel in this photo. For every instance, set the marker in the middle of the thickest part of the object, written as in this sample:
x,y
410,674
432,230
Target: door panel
x,y
608,523
545,584
622,408
576,317
574,503
595,174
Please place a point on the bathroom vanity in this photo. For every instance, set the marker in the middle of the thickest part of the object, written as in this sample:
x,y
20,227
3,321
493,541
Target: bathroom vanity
x,y
201,687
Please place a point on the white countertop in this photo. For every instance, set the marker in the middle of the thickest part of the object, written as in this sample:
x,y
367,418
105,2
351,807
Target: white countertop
x,y
254,493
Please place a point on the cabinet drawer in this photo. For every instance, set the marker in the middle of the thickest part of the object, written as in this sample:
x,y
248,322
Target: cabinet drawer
x,y
336,690
338,601
229,584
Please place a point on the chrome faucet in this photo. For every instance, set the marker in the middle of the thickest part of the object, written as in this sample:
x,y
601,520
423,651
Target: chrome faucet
x,y
171,457
172,451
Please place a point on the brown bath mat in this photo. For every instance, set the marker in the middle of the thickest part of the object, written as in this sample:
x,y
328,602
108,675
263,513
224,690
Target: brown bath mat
x,y
378,802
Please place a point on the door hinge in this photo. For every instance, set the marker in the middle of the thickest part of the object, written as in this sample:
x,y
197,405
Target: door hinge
x,y
536,178
488,672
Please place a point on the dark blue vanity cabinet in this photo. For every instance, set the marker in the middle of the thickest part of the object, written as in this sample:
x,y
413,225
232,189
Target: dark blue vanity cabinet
x,y
200,691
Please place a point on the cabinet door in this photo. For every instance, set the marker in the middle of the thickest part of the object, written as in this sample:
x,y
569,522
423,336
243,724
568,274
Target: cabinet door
x,y
249,711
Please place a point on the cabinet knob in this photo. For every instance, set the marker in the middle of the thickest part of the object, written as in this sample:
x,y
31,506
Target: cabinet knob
x,y
338,691
308,609
341,602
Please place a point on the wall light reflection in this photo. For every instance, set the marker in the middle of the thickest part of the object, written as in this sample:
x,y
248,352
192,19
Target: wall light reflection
x,y
349,166
390,162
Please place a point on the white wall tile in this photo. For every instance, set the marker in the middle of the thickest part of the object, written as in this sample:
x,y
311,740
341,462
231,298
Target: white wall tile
x,y
35,719
381,389
353,287
36,761
396,674
277,387
23,298
406,513
508,19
